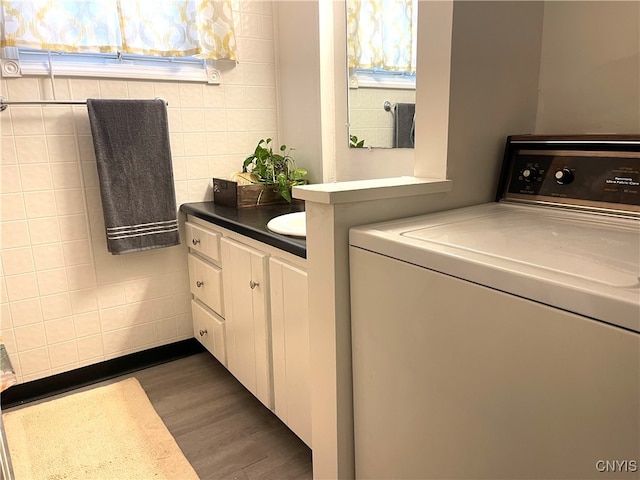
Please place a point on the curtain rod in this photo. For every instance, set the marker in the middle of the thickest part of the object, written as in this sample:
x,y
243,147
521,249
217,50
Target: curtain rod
x,y
4,103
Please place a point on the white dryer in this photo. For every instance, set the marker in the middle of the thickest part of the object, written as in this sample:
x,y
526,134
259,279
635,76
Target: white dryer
x,y
502,341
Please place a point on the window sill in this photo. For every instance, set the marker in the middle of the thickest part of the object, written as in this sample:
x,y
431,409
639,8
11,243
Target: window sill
x,y
141,72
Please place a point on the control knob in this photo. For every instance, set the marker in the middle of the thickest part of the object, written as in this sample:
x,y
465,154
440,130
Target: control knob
x,y
529,174
563,176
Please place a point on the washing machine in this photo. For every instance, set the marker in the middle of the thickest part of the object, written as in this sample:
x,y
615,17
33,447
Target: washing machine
x,y
502,341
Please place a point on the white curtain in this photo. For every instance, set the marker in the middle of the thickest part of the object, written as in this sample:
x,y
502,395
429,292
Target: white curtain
x,y
382,34
172,28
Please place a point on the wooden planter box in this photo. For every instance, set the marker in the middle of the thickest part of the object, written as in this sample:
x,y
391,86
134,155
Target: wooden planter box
x,y
230,194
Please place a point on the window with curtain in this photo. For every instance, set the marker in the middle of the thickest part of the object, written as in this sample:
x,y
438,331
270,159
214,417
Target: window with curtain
x,y
381,36
201,29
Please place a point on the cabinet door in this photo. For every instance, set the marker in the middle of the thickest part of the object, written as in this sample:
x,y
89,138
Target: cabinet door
x,y
205,283
247,319
290,344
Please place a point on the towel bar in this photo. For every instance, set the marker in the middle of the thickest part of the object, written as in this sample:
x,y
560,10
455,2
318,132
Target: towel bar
x,y
4,103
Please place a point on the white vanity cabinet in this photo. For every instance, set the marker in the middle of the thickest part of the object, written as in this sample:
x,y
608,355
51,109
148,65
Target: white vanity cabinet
x,y
246,298
290,346
250,310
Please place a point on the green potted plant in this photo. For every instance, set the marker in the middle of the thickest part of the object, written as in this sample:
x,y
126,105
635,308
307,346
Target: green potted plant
x,y
274,169
355,143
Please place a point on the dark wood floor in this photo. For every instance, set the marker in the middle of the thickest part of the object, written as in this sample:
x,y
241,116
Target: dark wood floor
x,y
222,429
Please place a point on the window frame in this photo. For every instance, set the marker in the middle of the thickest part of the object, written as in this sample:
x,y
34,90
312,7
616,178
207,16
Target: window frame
x,y
365,77
111,65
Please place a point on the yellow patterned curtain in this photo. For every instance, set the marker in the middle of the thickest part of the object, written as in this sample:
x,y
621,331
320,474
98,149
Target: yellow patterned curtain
x,y
382,34
169,28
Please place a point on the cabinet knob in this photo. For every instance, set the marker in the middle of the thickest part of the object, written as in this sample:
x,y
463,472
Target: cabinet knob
x,y
253,284
195,241
199,283
203,332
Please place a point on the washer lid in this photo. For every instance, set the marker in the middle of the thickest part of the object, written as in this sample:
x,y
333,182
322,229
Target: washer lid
x,y
587,249
585,263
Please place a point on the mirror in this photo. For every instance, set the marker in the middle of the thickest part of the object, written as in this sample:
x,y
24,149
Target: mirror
x,y
381,88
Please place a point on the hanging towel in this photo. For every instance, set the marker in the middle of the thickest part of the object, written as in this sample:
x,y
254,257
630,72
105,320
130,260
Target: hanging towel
x,y
403,125
131,141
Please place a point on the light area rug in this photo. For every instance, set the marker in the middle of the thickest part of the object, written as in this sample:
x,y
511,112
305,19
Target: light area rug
x,y
107,433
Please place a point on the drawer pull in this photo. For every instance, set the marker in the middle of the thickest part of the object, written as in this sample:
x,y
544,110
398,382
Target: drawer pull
x,y
199,283
253,284
203,332
195,241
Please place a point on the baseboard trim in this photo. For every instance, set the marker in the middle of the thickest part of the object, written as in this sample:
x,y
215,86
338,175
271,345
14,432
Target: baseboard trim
x,y
98,372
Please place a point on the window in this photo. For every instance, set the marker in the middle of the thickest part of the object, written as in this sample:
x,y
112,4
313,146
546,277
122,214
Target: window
x,y
118,38
382,42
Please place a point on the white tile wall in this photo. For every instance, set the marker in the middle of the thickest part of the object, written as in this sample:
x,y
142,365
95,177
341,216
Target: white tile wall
x,y
65,301
368,118
55,306
25,312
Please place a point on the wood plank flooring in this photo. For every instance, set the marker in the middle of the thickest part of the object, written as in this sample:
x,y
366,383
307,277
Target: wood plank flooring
x,y
222,429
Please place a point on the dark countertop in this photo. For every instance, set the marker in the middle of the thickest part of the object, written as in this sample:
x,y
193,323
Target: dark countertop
x,y
251,222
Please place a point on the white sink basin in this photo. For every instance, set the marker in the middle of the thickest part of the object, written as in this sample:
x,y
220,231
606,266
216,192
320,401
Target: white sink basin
x,y
294,224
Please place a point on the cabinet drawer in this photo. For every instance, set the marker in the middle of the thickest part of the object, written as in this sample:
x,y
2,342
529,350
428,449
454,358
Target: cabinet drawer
x,y
205,283
208,328
203,241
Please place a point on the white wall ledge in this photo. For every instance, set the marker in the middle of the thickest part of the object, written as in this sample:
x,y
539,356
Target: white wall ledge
x,y
366,190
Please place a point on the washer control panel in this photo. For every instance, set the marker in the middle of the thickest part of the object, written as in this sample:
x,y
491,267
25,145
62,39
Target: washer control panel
x,y
588,173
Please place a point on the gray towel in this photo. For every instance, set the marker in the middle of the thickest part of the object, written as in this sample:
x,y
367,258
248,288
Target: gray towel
x,y
131,141
403,128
